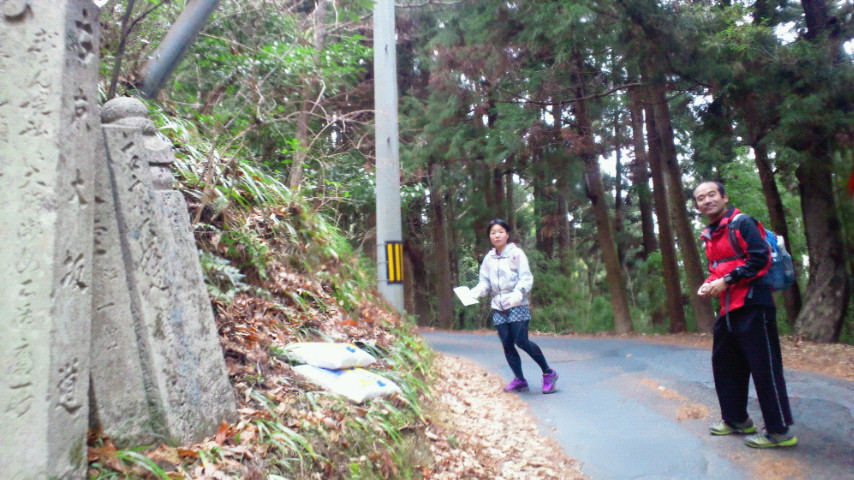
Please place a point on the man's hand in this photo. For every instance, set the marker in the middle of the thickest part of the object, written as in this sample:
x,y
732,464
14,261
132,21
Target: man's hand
x,y
713,288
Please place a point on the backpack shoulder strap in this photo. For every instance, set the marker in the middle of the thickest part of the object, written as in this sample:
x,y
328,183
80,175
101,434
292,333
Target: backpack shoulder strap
x,y
732,226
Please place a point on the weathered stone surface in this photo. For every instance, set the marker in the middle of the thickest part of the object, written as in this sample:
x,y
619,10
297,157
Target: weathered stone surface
x,y
120,403
48,132
186,387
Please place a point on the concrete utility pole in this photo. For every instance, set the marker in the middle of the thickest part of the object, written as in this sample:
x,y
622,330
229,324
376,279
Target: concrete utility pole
x,y
389,233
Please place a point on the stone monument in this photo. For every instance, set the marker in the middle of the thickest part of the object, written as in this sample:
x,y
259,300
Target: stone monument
x,y
88,218
176,389
49,123
123,403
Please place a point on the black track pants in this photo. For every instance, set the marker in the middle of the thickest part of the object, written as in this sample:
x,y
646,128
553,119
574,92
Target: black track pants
x,y
749,346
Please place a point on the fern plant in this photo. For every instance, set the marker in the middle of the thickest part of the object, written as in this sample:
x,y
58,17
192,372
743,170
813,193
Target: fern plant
x,y
222,279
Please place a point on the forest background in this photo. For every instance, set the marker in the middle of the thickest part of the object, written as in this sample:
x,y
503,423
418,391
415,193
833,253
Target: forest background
x,y
584,124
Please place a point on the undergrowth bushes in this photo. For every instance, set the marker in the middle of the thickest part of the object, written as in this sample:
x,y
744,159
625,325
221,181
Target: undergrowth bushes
x,y
279,270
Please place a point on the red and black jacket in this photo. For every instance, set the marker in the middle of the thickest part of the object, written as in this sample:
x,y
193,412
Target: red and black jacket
x,y
744,270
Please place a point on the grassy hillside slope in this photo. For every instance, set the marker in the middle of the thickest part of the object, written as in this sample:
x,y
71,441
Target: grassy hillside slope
x,y
279,271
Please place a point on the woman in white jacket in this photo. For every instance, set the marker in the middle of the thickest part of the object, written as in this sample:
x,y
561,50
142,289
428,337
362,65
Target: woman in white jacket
x,y
506,277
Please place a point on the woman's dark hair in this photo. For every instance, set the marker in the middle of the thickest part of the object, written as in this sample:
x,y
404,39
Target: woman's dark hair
x,y
497,221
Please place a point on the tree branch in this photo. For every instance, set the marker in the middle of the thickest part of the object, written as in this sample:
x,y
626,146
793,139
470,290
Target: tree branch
x,y
566,102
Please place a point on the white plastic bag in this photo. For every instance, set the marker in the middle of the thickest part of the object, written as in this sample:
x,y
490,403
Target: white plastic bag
x,y
356,384
329,355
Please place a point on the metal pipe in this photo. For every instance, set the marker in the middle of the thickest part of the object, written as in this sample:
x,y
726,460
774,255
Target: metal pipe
x,y
172,49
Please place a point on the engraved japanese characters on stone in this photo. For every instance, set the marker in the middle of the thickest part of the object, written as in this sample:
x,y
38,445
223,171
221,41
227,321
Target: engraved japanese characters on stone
x,y
20,401
182,361
81,105
84,44
75,271
69,398
48,123
79,189
20,369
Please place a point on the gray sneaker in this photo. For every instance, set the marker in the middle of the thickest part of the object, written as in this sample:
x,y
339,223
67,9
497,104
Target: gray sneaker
x,y
726,428
771,440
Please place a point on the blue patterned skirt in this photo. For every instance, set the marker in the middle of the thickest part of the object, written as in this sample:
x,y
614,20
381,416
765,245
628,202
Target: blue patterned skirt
x,y
515,314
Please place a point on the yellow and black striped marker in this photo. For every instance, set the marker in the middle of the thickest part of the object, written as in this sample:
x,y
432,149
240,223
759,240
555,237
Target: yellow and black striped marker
x,y
394,261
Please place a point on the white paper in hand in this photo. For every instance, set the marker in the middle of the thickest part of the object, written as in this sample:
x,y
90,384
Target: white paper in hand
x,y
465,296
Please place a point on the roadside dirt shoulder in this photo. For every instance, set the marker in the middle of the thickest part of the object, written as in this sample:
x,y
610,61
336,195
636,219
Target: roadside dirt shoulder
x,y
478,432
832,359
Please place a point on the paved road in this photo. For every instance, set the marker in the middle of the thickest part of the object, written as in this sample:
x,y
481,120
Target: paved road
x,y
619,404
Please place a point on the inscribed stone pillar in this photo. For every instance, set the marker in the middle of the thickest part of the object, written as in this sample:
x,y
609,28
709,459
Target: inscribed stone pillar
x,y
49,124
184,383
122,405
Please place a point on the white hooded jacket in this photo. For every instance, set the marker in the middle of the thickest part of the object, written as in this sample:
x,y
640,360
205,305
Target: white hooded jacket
x,y
505,277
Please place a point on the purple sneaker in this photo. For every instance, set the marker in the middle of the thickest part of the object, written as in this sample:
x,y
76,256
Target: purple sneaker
x,y
549,380
517,386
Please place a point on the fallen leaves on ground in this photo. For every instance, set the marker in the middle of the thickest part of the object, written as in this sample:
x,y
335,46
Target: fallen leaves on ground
x,y
687,410
472,433
480,432
778,469
474,430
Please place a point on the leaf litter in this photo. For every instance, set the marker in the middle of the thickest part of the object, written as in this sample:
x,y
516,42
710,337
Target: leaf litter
x,y
467,431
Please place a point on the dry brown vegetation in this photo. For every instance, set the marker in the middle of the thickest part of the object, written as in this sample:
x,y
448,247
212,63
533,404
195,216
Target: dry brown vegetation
x,y
481,435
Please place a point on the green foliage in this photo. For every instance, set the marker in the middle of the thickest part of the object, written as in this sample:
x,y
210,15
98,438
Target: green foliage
x,y
222,279
481,85
569,303
131,460
244,244
132,457
380,434
288,447
316,431
647,298
256,220
745,192
250,223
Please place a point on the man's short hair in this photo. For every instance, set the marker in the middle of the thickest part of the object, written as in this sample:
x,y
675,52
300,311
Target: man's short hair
x,y
718,184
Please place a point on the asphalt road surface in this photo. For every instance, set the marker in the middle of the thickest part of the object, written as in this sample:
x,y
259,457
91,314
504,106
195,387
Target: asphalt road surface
x,y
628,409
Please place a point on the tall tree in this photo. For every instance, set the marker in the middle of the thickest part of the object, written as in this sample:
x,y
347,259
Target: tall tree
x,y
589,154
748,92
654,63
703,313
815,136
317,29
666,242
442,253
640,174
416,278
563,234
756,139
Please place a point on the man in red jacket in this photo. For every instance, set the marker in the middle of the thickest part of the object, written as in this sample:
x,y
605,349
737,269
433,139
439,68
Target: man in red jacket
x,y
745,335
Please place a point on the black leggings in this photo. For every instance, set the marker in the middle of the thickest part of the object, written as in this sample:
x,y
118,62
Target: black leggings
x,y
516,333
